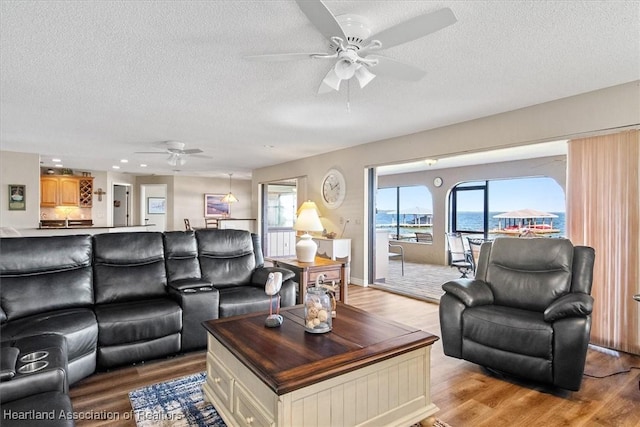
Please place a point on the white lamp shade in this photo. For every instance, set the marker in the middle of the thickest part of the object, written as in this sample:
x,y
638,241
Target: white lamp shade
x,y
308,220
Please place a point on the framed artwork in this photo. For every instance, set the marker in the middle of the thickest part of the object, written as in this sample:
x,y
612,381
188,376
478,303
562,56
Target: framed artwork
x,y
17,197
214,206
156,205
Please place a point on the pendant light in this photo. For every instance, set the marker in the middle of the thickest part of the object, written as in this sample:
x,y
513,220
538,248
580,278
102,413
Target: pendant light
x,y
229,197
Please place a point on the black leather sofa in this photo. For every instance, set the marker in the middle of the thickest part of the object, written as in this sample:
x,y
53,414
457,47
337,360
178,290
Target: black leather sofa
x,y
121,298
527,313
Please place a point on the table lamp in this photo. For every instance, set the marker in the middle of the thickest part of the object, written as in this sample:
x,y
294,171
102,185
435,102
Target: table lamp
x,y
308,220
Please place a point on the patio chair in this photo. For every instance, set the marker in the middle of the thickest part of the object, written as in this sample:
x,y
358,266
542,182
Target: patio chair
x,y
474,247
459,256
424,237
397,254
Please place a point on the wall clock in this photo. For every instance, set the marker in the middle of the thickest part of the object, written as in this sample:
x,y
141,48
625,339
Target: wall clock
x,y
333,189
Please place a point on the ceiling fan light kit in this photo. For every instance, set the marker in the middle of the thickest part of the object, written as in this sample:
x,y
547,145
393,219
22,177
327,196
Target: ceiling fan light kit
x,y
352,43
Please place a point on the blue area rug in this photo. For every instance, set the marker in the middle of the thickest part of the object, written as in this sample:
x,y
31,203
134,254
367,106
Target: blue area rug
x,y
175,403
180,403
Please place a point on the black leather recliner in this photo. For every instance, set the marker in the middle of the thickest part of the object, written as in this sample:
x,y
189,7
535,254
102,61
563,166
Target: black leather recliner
x,y
47,287
137,319
527,312
232,261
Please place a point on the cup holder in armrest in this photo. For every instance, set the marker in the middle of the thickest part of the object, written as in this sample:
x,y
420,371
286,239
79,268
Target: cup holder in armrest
x,y
33,367
32,357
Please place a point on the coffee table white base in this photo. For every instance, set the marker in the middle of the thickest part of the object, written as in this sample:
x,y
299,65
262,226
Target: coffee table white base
x,y
394,392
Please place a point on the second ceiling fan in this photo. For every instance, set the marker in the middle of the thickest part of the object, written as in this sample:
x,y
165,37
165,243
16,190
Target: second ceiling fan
x,y
352,44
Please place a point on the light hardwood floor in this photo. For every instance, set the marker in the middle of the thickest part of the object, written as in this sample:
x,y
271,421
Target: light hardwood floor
x,y
468,395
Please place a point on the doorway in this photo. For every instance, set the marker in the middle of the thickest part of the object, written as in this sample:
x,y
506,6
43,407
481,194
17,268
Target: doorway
x,y
154,207
121,215
279,203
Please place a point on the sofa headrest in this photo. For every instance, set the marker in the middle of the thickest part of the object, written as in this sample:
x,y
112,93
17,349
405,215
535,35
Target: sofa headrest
x,y
216,243
31,255
180,244
128,248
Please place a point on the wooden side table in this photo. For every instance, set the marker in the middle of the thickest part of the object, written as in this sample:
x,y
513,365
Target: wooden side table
x,y
306,273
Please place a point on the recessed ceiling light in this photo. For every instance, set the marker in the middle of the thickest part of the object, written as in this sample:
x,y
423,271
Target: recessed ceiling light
x,y
143,165
56,160
431,162
124,161
58,165
115,167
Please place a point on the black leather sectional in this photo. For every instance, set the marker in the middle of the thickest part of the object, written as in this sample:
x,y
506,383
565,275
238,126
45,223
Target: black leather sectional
x,y
99,302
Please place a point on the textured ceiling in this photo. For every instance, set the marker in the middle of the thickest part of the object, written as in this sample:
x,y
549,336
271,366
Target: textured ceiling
x,y
93,82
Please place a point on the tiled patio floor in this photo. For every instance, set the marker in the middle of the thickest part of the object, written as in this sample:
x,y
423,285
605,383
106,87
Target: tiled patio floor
x,y
420,281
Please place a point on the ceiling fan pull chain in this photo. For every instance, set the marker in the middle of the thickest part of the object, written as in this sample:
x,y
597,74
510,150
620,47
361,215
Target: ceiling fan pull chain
x,y
348,96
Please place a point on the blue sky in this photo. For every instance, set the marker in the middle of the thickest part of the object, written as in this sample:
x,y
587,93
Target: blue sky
x,y
543,194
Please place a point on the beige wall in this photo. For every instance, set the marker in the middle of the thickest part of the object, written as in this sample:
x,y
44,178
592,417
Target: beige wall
x,y
582,114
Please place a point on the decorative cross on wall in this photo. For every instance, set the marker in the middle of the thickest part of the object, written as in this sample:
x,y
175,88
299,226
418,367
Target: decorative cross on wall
x,y
99,193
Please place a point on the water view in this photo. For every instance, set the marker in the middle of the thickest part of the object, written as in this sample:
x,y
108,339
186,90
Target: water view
x,y
468,221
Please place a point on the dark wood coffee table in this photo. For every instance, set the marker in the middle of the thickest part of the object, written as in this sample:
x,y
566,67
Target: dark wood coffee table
x,y
367,369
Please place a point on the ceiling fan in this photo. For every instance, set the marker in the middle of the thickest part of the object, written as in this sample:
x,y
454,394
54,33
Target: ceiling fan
x,y
177,153
352,44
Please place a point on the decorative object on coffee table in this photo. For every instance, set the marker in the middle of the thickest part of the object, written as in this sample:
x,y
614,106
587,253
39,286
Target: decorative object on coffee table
x,y
272,287
317,310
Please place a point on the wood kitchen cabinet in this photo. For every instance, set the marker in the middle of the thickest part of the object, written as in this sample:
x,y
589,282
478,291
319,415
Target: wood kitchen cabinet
x,y
65,191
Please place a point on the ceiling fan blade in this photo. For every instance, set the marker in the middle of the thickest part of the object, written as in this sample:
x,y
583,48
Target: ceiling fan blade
x,y
281,57
388,67
322,18
192,151
414,28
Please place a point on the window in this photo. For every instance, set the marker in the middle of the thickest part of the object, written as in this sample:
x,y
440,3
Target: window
x,y
475,206
405,211
281,205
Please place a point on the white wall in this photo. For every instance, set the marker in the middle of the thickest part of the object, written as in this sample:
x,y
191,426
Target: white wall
x,y
21,169
561,119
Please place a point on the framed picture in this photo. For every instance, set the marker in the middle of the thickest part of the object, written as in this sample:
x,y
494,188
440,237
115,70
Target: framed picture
x,y
214,206
17,197
156,205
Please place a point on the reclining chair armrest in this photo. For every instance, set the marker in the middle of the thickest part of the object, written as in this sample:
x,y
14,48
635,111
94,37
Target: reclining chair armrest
x,y
260,275
470,291
570,305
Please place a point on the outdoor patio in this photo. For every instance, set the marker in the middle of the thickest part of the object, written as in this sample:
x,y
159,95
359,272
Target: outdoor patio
x,y
420,281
